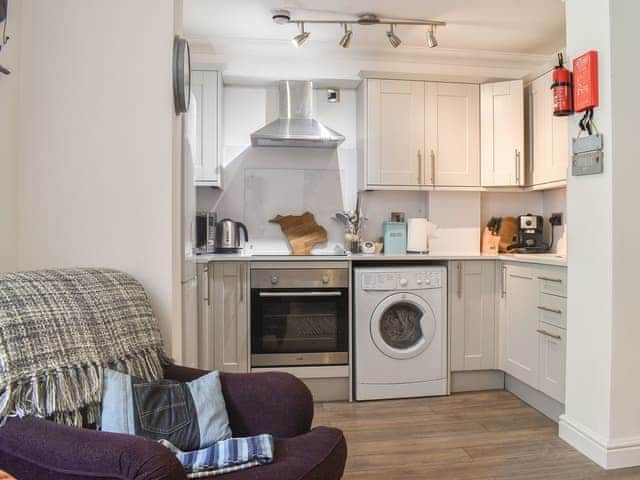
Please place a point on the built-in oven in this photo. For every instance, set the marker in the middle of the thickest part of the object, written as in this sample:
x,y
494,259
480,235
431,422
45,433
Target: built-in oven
x,y
299,317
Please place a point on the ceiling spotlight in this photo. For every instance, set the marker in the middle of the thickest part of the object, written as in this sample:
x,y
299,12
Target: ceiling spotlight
x,y
394,40
431,37
346,38
299,39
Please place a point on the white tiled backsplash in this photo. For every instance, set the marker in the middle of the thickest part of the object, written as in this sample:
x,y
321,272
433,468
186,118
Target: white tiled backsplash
x,y
260,183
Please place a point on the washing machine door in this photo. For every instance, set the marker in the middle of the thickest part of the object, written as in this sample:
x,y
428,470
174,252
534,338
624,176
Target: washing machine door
x,y
403,326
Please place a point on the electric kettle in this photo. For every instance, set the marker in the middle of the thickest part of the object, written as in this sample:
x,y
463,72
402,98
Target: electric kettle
x,y
228,236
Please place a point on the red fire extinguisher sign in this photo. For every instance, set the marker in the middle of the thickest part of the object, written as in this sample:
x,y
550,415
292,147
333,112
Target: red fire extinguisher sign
x,y
585,81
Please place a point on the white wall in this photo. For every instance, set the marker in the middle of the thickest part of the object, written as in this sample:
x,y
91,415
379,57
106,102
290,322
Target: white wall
x,y
602,417
96,170
9,58
625,381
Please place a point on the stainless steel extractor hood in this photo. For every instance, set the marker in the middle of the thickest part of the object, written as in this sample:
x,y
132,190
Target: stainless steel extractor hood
x,y
296,126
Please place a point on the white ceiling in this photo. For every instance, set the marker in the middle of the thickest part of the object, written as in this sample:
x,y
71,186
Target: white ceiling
x,y
510,26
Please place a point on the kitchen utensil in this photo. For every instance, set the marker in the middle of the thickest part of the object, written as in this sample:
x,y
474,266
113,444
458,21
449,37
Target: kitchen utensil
x,y
228,236
302,232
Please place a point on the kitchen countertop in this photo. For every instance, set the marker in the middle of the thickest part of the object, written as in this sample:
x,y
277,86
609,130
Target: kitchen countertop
x,y
536,258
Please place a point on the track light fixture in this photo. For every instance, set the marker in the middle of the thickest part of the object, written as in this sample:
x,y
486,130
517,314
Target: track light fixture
x,y
431,37
302,36
394,40
346,38
283,17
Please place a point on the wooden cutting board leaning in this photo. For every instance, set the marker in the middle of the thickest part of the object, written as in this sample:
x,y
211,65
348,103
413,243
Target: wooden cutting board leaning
x,y
302,232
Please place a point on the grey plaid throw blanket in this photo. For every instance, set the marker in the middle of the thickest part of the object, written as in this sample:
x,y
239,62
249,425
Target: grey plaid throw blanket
x,y
59,328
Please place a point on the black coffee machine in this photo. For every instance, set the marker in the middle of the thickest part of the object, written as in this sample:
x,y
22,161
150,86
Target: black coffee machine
x,y
530,235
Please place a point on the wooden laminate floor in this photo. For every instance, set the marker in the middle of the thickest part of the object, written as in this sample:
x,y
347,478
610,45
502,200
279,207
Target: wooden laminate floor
x,y
481,436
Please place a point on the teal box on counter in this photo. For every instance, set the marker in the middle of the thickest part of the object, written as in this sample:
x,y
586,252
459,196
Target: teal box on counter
x,y
395,238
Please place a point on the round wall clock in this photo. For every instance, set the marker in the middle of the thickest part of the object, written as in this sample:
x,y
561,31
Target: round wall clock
x,y
181,75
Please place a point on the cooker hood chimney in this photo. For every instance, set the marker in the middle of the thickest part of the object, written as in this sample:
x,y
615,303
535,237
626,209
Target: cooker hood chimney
x,y
296,126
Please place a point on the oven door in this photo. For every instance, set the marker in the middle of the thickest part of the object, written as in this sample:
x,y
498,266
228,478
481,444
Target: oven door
x,y
292,327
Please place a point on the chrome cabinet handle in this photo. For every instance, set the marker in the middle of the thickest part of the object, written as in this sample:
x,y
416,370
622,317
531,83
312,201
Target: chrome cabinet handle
x,y
242,283
433,168
550,310
419,167
300,294
459,266
549,279
551,335
206,289
517,157
504,281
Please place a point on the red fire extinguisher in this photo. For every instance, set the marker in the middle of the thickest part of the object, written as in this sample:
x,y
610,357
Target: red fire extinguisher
x,y
561,87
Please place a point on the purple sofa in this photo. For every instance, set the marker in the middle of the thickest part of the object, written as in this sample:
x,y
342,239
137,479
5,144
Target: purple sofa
x,y
276,403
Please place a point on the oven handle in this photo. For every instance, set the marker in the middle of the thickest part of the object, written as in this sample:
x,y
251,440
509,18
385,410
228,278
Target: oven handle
x,y
301,294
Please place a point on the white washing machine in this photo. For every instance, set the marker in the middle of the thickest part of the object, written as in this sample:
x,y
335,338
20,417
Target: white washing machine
x,y
400,332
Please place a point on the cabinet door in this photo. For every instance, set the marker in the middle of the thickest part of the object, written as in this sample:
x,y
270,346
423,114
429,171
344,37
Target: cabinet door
x,y
207,93
552,351
231,316
473,325
521,323
549,134
452,133
395,132
502,133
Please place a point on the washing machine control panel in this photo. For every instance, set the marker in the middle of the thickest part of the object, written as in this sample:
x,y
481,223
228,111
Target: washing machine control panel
x,y
413,280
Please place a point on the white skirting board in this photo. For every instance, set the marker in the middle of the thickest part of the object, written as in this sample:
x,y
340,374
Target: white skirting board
x,y
477,381
609,454
535,398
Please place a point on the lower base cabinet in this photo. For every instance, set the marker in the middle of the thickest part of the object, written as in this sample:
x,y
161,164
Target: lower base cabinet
x,y
472,308
223,327
532,326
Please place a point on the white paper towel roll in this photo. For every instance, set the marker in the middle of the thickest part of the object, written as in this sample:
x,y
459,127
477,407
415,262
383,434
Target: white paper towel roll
x,y
418,235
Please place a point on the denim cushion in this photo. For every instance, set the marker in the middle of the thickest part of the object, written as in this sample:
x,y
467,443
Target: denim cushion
x,y
190,415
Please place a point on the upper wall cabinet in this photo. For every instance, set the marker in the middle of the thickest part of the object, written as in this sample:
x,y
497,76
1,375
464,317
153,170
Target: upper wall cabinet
x,y
206,87
394,133
548,135
453,134
417,135
502,134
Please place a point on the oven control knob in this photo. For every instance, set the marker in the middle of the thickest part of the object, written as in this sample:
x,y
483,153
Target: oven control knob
x,y
274,279
325,279
403,282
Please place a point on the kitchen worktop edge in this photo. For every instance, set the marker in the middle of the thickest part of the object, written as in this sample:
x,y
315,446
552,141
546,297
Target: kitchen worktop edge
x,y
541,259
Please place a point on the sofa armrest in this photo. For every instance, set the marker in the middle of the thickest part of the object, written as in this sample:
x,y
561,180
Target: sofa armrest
x,y
272,402
33,448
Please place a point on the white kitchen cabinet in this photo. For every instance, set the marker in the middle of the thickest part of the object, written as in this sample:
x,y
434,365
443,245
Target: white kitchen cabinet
x,y
206,87
551,351
472,316
228,329
521,323
415,135
548,135
452,134
502,134
394,133
532,326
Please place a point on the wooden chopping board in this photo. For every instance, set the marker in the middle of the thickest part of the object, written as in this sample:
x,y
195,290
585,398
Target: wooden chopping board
x,y
302,231
508,232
